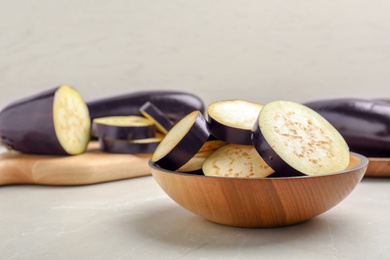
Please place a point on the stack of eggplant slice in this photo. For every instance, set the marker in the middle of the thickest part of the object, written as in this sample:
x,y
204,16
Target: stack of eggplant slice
x,y
136,123
59,122
126,134
280,138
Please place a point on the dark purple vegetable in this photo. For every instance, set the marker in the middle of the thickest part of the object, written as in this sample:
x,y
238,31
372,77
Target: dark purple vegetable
x,y
54,122
154,114
294,140
140,146
123,127
174,104
364,124
232,120
182,142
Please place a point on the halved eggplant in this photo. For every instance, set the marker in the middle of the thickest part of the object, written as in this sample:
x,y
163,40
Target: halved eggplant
x,y
364,124
154,114
182,142
123,127
139,146
294,140
233,160
174,104
232,120
54,122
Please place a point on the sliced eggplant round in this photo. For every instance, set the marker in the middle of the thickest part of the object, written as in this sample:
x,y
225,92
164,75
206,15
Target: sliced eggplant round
x,y
123,127
239,161
53,122
182,142
295,140
174,104
139,146
364,124
154,114
232,120
196,162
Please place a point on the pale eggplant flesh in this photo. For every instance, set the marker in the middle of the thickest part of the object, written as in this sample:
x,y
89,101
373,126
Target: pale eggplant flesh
x,y
270,156
174,104
236,161
364,124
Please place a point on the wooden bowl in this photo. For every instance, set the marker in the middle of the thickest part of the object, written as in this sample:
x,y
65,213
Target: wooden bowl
x,y
262,202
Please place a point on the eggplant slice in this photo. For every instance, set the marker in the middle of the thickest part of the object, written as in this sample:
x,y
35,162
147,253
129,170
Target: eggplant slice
x,y
232,120
154,114
139,146
296,141
182,142
123,127
53,122
239,161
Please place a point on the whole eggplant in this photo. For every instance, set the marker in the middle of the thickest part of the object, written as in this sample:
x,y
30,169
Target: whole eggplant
x,y
364,124
174,104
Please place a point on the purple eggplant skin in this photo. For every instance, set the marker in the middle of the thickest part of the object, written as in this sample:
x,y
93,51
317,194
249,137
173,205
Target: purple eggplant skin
x,y
175,104
122,132
27,125
229,134
281,168
127,147
364,124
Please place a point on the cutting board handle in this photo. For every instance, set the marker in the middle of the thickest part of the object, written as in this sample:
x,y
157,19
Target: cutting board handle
x,y
88,168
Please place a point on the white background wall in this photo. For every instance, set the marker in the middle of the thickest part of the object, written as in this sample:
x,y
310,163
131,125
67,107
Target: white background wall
x,y
219,49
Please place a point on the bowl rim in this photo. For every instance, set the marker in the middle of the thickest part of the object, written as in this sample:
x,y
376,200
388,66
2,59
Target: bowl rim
x,y
363,163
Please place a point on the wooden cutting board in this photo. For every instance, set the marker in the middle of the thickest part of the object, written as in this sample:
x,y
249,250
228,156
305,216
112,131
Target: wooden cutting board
x,y
91,167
